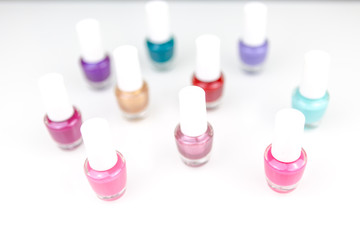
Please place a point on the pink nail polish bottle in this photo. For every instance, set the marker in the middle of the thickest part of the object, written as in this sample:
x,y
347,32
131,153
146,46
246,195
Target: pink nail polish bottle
x,y
105,168
194,135
62,120
285,159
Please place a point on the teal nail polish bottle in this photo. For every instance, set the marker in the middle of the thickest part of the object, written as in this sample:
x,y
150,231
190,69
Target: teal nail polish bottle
x,y
160,42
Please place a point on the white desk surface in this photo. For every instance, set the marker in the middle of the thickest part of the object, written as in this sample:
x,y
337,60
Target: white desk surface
x,y
44,192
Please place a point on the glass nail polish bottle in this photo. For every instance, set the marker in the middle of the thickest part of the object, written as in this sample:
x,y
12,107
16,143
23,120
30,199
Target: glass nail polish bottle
x,y
94,62
62,120
285,159
105,168
312,97
253,47
208,74
160,42
194,135
131,92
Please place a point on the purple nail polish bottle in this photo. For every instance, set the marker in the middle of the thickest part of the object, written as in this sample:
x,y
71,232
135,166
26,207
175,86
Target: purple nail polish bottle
x,y
253,47
94,61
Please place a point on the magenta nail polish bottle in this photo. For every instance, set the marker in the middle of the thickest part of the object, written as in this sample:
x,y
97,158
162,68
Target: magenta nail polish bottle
x,y
62,120
94,62
194,135
105,168
285,159
253,46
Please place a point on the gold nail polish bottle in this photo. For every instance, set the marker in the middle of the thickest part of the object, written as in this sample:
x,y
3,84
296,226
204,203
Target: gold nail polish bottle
x,y
131,92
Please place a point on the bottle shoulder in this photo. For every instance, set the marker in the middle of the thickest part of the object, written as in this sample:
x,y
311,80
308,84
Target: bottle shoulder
x,y
75,119
296,165
207,136
119,167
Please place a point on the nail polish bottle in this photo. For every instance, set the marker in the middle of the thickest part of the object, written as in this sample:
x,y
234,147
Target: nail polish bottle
x,y
94,61
285,159
312,97
105,168
62,120
208,74
194,135
160,42
132,91
253,46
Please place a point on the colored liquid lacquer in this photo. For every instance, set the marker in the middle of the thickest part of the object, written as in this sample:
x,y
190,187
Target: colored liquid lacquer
x,y
104,167
132,91
253,47
94,62
62,120
194,135
208,74
284,159
66,133
160,42
312,97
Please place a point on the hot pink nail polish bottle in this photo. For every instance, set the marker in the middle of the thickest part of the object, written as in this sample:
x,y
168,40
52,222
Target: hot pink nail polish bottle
x,y
62,119
194,135
105,168
285,159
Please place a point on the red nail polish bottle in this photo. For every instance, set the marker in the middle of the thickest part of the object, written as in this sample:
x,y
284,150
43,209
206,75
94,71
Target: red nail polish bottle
x,y
208,74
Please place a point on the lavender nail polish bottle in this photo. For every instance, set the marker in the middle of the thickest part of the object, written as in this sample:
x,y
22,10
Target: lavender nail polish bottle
x,y
94,61
253,46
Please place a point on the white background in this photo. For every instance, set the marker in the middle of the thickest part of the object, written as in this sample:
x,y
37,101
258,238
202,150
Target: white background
x,y
44,192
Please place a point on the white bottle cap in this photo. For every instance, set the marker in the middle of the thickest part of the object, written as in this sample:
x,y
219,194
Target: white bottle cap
x,y
127,68
158,21
255,21
55,98
100,151
193,120
208,58
316,74
289,129
88,31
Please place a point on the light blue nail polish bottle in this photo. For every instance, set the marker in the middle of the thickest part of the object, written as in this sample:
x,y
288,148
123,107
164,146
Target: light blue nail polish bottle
x,y
159,42
312,97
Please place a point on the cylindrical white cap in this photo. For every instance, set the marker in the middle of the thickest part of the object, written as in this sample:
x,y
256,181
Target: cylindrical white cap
x,y
193,120
316,74
158,21
255,21
208,58
100,151
88,31
127,67
289,129
56,100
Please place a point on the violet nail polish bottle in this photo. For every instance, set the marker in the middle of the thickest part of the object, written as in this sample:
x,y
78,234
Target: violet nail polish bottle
x,y
253,46
62,120
285,159
208,73
94,61
312,97
194,135
105,168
